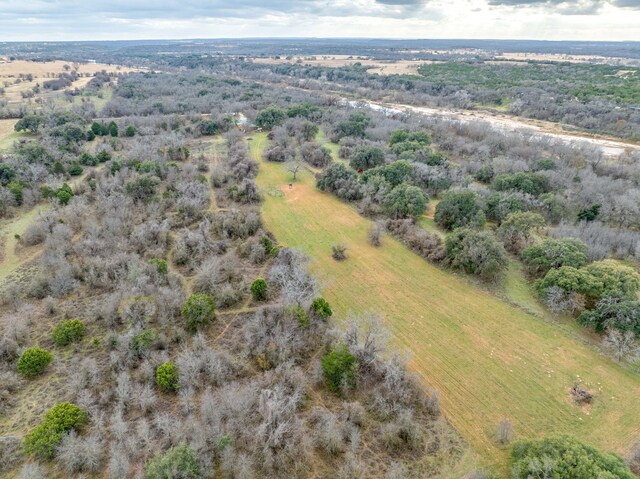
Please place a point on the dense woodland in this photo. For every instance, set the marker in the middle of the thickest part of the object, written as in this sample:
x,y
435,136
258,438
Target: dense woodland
x,y
162,328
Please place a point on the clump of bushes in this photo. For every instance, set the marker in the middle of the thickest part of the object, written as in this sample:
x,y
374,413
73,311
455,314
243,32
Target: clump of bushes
x,y
475,252
167,377
259,289
68,331
199,311
340,369
339,252
160,264
59,420
33,362
177,462
321,308
565,456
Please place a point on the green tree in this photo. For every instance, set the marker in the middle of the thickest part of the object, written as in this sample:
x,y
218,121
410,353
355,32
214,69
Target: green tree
x,y
611,312
199,311
113,129
64,194
75,169
321,308
518,229
564,457
7,174
259,289
130,131
270,117
68,331
31,123
458,209
395,173
475,252
33,362
99,129
141,188
103,156
160,264
167,377
355,126
595,281
366,157
589,214
340,368
405,201
555,253
533,183
179,462
88,160
43,440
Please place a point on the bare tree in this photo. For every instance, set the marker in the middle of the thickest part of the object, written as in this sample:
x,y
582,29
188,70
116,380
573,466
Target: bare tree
x,y
293,166
622,344
504,432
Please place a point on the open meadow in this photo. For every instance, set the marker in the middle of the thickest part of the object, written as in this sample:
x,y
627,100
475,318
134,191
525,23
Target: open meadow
x,y
489,360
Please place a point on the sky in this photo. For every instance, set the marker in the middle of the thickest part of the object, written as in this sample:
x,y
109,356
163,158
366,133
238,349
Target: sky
x,y
38,20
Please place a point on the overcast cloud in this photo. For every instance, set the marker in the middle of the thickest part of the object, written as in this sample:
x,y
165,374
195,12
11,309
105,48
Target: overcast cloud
x,y
137,19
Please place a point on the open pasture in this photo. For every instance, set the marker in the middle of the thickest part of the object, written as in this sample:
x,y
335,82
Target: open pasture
x,y
488,359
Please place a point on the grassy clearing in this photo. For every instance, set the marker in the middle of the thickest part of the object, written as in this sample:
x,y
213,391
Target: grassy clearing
x,y
489,360
8,135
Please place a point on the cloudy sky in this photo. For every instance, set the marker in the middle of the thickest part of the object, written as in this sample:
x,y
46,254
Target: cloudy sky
x,y
152,19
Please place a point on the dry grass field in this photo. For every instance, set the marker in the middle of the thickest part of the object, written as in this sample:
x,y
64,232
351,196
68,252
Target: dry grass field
x,y
11,72
488,359
380,67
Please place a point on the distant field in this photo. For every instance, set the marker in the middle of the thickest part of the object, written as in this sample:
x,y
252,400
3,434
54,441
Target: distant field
x,y
10,72
380,67
489,360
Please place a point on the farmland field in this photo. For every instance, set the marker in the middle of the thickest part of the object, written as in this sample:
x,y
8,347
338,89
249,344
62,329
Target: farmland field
x,y
489,360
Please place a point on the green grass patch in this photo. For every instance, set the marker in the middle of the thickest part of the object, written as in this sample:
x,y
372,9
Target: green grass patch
x,y
489,360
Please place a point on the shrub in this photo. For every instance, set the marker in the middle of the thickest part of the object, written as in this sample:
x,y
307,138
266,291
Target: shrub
x,y
259,289
518,229
64,194
179,462
143,342
555,253
612,312
504,432
75,169
302,316
68,331
594,281
340,368
161,265
533,183
60,419
366,157
321,308
270,117
199,311
167,377
565,457
405,201
33,362
475,252
458,209
339,252
375,234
